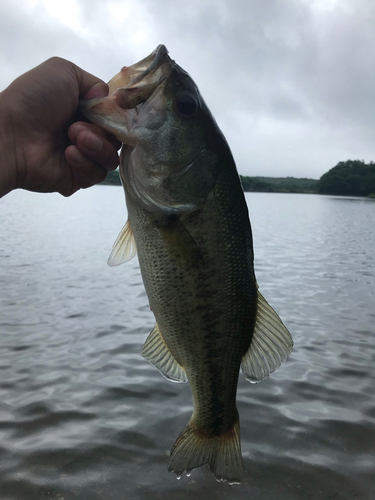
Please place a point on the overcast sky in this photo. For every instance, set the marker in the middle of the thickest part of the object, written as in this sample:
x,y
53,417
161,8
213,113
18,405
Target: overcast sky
x,y
290,82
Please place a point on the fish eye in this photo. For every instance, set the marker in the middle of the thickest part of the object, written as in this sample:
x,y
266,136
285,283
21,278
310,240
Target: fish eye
x,y
186,105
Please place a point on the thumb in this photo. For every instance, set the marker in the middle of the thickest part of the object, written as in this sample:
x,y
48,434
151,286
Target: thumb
x,y
89,85
99,89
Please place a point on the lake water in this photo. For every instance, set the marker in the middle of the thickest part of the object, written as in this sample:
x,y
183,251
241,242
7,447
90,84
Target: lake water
x,y
84,416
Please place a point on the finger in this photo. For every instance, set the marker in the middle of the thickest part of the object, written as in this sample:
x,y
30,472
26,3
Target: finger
x,y
85,170
78,127
98,149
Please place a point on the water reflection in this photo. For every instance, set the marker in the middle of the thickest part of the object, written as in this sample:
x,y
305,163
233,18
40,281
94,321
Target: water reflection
x,y
83,416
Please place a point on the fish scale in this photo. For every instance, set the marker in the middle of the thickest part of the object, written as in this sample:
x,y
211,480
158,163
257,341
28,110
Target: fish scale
x,y
189,223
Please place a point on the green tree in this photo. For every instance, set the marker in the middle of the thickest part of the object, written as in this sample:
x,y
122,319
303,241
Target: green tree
x,y
349,178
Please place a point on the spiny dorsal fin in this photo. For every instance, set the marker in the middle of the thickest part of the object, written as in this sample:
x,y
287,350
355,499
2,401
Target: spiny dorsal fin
x,y
124,248
270,346
157,352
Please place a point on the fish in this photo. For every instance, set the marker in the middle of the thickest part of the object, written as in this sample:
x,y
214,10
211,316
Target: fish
x,y
189,224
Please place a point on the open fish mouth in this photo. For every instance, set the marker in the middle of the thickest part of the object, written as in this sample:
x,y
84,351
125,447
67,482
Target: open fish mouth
x,y
147,67
132,85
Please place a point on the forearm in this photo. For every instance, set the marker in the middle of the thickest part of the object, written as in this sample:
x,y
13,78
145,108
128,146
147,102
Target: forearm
x,y
8,166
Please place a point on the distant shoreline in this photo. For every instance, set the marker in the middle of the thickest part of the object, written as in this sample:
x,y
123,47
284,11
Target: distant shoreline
x,y
253,184
349,178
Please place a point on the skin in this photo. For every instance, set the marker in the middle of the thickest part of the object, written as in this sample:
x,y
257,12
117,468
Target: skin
x,y
189,218
198,272
43,147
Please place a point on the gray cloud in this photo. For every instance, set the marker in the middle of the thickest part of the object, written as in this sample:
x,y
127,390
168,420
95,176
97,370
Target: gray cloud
x,y
290,82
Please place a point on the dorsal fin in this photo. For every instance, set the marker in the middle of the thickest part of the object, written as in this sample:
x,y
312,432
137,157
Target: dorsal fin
x,y
270,346
124,248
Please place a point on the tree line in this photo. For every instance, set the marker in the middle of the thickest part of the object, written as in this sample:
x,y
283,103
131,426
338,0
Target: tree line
x,y
347,178
278,184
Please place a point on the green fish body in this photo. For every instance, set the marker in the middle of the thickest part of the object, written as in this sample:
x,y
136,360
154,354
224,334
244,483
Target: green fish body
x,y
188,221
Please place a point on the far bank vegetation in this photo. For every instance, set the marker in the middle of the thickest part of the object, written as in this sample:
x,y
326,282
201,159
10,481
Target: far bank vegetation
x,y
347,178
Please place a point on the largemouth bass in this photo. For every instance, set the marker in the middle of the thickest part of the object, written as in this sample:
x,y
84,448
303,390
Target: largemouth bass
x,y
189,223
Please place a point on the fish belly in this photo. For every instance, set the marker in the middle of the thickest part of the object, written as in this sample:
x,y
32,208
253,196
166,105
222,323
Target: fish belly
x,y
199,277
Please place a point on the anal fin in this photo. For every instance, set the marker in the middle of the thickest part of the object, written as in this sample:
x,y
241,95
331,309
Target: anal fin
x,y
157,352
270,346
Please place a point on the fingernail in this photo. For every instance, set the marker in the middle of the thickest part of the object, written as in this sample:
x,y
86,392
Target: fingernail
x,y
93,143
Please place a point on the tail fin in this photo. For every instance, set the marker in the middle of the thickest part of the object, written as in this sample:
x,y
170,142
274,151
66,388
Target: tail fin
x,y
222,453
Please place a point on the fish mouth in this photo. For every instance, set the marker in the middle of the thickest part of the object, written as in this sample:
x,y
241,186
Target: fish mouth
x,y
133,75
132,86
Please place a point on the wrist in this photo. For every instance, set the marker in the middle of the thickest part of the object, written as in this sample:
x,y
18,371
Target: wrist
x,y
8,163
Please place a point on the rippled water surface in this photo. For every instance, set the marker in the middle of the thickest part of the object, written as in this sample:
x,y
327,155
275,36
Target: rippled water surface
x,y
84,416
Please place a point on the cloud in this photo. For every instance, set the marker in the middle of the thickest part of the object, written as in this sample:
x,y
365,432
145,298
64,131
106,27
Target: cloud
x,y
290,82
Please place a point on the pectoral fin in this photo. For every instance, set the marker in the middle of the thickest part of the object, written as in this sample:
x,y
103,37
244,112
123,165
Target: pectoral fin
x,y
124,248
179,243
157,352
270,346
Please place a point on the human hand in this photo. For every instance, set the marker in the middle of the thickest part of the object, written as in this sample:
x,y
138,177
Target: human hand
x,y
44,148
